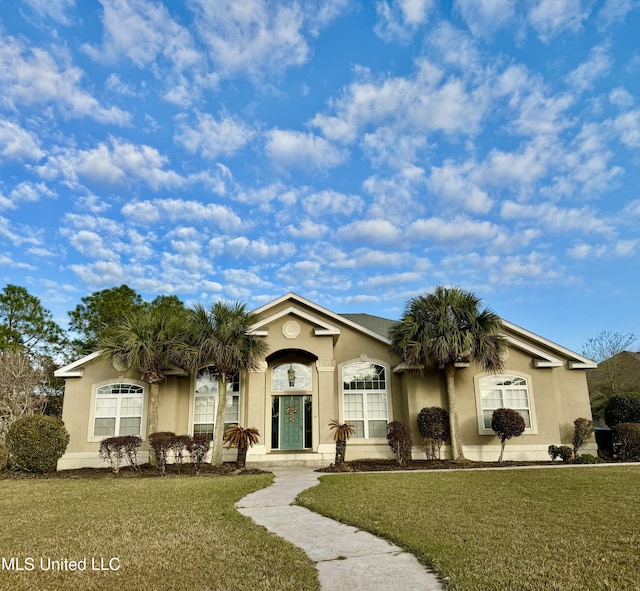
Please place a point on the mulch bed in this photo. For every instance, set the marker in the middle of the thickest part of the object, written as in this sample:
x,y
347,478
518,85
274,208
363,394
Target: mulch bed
x,y
145,471
392,465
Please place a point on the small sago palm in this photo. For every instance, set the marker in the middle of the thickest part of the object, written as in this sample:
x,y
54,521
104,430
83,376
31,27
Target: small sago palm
x,y
243,439
445,327
342,432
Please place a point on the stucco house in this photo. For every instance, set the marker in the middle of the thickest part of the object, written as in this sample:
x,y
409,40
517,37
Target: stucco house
x,y
319,366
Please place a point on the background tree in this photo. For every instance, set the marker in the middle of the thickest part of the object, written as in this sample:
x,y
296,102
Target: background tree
x,y
622,409
26,325
151,342
444,327
220,338
507,423
606,344
19,382
99,312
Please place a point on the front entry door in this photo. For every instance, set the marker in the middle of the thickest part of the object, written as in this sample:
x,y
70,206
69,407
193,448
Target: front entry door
x,y
291,422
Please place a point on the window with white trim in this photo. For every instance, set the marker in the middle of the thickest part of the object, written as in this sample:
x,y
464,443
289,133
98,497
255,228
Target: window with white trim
x,y
118,410
364,394
504,391
206,401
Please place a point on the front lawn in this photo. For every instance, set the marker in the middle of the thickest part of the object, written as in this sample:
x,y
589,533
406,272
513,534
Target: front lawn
x,y
165,533
567,529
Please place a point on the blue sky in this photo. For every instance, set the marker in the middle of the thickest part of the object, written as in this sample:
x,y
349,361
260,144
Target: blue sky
x,y
355,152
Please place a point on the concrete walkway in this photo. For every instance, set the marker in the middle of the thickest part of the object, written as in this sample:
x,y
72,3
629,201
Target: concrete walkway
x,y
346,558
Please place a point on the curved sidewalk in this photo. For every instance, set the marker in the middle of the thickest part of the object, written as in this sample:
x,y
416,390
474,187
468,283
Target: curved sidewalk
x,y
346,558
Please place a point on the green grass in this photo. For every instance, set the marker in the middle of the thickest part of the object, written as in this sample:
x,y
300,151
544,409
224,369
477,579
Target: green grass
x,y
567,529
168,533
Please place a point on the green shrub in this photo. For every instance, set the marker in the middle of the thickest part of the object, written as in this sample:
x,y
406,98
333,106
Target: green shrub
x,y
564,452
582,430
622,409
198,446
177,446
399,439
160,443
588,459
114,449
507,423
36,443
628,436
433,426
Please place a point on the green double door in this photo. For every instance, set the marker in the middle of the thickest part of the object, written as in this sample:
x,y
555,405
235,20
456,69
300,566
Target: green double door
x,y
291,422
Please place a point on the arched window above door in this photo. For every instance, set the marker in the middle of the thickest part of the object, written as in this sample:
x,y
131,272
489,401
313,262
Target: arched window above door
x,y
291,377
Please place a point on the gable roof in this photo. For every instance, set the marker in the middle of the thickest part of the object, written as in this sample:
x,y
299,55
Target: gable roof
x,y
314,316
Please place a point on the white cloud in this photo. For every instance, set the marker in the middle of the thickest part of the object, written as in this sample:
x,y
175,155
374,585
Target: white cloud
x,y
615,11
113,164
598,64
213,138
302,150
259,249
485,17
19,234
17,143
398,198
620,97
31,76
332,202
454,184
460,230
627,126
54,9
552,17
92,245
28,191
307,230
391,279
535,267
142,30
557,219
254,36
373,231
150,212
399,19
417,104
618,249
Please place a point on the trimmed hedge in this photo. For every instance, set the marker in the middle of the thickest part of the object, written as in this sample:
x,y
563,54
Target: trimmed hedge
x,y
36,443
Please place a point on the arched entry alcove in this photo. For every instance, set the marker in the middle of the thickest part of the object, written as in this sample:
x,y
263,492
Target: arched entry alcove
x,y
292,383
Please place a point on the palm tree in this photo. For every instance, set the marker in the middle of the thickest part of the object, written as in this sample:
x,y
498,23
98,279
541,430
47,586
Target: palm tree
x,y
243,439
151,342
442,328
220,338
342,433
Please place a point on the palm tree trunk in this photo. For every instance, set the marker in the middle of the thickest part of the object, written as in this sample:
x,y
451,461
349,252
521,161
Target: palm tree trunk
x,y
241,462
341,447
218,431
456,441
154,403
